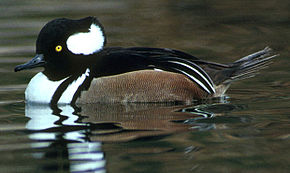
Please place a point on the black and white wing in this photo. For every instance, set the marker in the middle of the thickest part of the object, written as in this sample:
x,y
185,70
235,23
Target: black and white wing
x,y
189,69
179,62
122,60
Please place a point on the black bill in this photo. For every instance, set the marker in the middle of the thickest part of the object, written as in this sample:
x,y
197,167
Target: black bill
x,y
37,61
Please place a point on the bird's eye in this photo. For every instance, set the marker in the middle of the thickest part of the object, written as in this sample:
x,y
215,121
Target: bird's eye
x,y
58,48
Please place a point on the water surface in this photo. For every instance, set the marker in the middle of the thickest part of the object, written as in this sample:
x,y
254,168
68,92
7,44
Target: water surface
x,y
247,131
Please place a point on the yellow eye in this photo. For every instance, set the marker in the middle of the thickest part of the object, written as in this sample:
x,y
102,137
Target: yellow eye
x,y
58,48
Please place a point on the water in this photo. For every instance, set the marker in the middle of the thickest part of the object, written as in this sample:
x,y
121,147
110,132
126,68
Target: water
x,y
248,131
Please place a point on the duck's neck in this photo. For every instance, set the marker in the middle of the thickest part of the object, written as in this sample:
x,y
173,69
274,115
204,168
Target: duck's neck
x,y
44,91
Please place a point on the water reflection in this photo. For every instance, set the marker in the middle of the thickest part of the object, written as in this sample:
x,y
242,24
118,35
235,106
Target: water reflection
x,y
254,139
86,156
109,122
74,136
64,139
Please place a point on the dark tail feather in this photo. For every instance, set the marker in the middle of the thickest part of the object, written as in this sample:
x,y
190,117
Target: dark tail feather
x,y
250,65
243,68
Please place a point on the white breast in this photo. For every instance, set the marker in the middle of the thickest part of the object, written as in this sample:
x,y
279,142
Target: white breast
x,y
41,90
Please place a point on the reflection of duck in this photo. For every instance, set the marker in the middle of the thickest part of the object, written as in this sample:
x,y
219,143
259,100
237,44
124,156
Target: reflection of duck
x,y
78,68
73,136
63,138
109,122
70,156
138,120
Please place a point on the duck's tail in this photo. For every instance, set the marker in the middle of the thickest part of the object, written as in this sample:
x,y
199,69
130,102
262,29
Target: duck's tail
x,y
250,65
224,74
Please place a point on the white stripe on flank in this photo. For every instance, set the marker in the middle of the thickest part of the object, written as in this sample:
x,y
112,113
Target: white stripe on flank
x,y
207,81
157,69
196,80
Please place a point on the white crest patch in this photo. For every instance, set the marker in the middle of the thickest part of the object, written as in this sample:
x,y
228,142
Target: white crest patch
x,y
86,42
41,90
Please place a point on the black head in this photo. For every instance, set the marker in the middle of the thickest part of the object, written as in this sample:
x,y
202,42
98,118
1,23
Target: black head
x,y
65,46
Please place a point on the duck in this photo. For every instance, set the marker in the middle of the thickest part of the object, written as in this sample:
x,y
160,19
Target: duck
x,y
80,69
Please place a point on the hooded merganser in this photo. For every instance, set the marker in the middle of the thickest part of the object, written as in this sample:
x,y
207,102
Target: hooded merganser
x,y
78,69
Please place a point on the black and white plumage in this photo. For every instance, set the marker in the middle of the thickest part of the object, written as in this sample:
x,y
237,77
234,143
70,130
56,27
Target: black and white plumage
x,y
78,66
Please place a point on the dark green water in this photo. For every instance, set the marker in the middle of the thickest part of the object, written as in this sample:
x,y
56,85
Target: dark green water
x,y
249,131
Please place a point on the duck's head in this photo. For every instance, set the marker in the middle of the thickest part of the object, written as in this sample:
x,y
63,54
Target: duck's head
x,y
64,45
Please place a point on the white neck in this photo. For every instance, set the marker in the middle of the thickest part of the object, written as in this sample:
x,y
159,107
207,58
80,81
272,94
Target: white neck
x,y
41,90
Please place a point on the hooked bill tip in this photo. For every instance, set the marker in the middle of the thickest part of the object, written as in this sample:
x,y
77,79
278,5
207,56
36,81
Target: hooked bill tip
x,y
18,68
